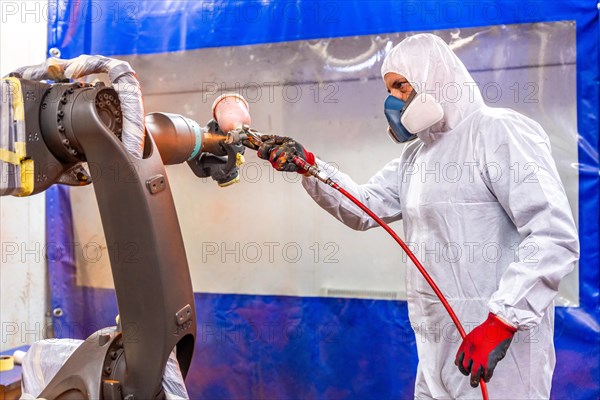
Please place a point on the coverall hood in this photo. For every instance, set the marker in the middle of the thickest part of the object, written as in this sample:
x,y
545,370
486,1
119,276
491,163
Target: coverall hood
x,y
430,66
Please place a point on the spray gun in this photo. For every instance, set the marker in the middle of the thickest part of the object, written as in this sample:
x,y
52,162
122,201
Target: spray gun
x,y
253,139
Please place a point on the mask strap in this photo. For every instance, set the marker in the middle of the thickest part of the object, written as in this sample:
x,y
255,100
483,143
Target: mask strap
x,y
409,100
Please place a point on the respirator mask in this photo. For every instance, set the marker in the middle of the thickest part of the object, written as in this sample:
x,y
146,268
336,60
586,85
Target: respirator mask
x,y
407,118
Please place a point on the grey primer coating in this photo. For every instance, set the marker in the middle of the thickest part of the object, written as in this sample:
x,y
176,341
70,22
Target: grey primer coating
x,y
154,291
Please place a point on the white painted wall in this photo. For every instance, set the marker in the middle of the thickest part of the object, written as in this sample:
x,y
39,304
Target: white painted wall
x,y
23,288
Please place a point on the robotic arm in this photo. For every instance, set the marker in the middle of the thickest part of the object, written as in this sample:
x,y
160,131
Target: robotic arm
x,y
67,124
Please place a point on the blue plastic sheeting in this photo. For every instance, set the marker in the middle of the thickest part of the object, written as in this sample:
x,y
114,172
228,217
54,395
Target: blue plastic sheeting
x,y
278,347
143,27
373,355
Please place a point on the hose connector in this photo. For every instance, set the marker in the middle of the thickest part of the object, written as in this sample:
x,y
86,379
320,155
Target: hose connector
x,y
313,170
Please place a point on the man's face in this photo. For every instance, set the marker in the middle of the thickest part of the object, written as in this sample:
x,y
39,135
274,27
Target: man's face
x,y
397,85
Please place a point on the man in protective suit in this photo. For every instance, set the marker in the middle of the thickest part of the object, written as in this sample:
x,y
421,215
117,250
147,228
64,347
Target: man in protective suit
x,y
508,197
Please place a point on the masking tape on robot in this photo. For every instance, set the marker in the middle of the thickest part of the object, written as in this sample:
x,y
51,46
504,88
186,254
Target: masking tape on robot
x,y
20,148
6,363
18,156
27,175
9,157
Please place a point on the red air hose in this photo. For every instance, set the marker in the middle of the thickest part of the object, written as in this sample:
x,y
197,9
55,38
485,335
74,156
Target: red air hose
x,y
314,171
419,266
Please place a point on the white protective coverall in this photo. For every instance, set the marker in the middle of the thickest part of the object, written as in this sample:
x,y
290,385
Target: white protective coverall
x,y
483,205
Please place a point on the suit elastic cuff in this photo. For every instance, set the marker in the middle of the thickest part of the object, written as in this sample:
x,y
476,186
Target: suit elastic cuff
x,y
505,322
500,312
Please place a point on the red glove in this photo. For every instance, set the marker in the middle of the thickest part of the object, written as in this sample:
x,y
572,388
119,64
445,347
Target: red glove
x,y
483,347
281,150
